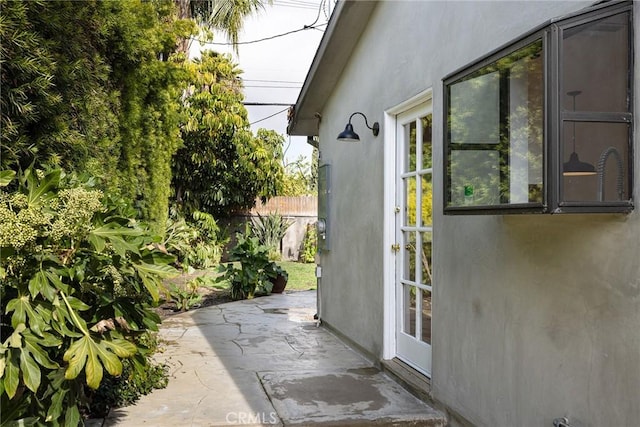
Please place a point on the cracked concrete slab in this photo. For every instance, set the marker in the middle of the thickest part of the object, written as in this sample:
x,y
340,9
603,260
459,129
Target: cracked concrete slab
x,y
264,362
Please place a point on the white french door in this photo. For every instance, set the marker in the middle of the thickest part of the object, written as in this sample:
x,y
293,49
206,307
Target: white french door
x,y
413,236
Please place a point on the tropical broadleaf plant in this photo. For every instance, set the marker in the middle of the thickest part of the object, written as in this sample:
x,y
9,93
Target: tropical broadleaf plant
x,y
255,272
196,242
270,231
79,281
6,177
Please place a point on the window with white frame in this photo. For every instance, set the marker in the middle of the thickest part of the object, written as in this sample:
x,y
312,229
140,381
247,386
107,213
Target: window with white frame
x,y
545,124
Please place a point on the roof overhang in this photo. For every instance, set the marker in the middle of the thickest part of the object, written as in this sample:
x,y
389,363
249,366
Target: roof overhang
x,y
346,24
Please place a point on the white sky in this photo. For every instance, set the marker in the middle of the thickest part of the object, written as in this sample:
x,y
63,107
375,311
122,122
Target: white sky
x,y
274,70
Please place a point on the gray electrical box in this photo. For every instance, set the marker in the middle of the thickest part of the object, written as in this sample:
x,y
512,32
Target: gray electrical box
x,y
324,195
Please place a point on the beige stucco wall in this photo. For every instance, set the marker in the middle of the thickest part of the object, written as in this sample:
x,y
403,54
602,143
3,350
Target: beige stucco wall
x,y
535,316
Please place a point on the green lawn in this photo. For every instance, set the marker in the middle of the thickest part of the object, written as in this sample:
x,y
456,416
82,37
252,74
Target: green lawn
x,y
302,276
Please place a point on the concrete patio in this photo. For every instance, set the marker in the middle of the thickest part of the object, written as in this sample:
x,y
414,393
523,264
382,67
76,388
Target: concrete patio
x,y
265,362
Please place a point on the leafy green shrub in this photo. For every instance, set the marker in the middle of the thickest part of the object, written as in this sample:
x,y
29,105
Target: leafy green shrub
x,y
254,275
300,177
309,244
186,297
137,379
197,243
221,166
205,282
78,283
88,86
270,230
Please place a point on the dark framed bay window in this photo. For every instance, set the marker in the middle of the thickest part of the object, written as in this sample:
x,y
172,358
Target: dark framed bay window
x,y
544,125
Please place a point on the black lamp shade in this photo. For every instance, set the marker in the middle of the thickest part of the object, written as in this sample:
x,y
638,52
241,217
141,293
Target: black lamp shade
x,y
574,167
348,135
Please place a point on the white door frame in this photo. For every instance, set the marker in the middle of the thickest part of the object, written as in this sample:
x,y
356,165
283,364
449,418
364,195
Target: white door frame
x,y
389,217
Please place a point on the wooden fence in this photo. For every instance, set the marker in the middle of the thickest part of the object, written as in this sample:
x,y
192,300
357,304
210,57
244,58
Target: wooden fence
x,y
301,210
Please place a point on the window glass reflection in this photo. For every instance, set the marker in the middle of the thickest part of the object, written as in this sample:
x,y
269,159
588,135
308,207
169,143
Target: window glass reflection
x,y
496,132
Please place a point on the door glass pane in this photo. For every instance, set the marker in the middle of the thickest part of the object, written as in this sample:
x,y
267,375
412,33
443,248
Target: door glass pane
x,y
411,200
427,201
425,258
410,138
410,256
426,142
409,296
426,316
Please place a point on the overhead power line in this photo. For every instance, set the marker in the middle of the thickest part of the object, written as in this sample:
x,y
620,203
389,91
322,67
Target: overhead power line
x,y
273,87
296,4
271,81
313,4
289,3
314,27
268,117
267,104
320,8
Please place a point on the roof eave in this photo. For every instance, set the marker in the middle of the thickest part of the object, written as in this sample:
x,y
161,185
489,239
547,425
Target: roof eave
x,y
345,27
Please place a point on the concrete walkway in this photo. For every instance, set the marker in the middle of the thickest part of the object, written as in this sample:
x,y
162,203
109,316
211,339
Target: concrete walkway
x,y
264,362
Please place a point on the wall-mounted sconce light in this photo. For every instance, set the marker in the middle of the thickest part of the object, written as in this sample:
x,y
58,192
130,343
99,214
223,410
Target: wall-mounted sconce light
x,y
348,135
574,167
